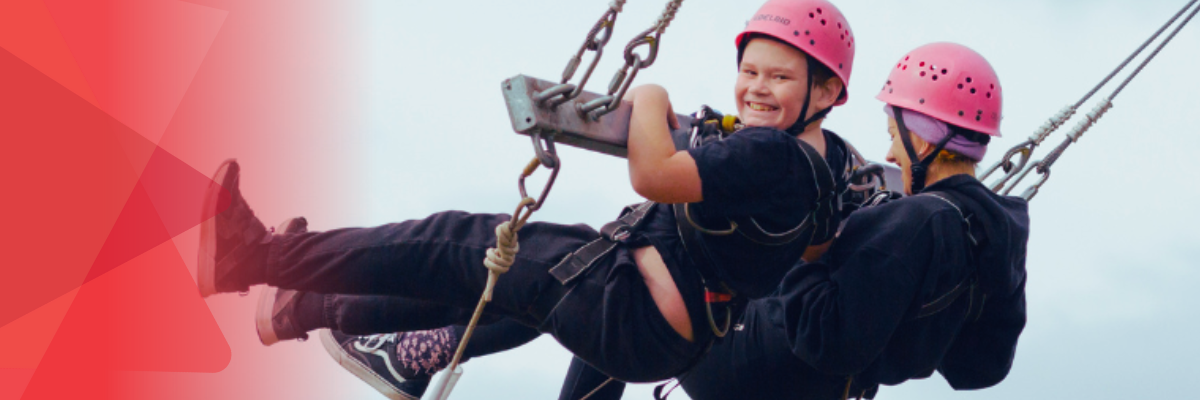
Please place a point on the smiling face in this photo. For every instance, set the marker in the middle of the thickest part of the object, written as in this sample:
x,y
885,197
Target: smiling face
x,y
771,85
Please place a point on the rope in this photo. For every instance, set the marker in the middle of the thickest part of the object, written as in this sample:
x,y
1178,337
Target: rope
x,y
498,261
500,258
597,389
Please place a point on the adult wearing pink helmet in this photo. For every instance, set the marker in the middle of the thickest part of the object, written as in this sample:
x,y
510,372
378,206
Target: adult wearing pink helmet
x,y
949,97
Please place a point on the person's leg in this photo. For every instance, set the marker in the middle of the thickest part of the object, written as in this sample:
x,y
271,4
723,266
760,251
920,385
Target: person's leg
x,y
403,259
755,361
400,259
288,314
584,381
608,318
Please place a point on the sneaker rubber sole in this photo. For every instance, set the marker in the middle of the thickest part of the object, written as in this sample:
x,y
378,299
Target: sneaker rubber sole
x,y
207,263
363,372
265,313
262,316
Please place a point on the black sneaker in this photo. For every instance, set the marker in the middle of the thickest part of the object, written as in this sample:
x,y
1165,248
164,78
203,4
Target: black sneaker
x,y
275,318
370,359
229,241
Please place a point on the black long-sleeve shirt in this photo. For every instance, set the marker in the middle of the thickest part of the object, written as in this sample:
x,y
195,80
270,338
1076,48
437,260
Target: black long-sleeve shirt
x,y
857,314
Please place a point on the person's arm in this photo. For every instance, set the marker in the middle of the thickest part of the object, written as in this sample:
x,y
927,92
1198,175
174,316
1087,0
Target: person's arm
x,y
656,170
983,352
839,319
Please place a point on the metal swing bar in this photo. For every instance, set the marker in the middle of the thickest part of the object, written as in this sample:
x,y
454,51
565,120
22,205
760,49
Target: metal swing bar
x,y
569,115
1026,148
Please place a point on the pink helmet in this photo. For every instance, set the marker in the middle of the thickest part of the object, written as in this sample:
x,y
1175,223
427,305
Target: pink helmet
x,y
949,82
815,27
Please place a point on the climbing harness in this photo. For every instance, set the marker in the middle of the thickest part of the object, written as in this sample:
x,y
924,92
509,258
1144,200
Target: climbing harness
x,y
703,124
708,126
1025,149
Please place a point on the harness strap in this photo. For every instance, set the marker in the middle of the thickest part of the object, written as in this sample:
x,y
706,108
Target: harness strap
x,y
611,234
580,261
822,211
919,168
970,284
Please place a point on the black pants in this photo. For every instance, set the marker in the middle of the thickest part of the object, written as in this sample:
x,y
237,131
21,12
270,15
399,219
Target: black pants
x,y
608,318
754,361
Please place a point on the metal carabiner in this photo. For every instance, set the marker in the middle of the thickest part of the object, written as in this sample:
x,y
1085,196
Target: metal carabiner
x,y
547,155
873,171
621,83
529,170
1025,150
712,322
1033,190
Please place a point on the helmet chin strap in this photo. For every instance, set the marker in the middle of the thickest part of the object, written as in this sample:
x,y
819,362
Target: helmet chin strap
x,y
802,123
919,169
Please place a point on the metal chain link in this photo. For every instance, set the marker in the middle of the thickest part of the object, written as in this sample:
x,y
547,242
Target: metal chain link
x,y
634,62
595,41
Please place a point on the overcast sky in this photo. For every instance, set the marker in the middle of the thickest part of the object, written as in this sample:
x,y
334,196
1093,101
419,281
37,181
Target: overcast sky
x,y
1112,270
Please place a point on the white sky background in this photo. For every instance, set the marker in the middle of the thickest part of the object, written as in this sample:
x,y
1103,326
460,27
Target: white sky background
x,y
1112,313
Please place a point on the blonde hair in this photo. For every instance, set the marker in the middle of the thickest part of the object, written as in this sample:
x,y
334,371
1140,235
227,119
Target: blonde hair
x,y
952,163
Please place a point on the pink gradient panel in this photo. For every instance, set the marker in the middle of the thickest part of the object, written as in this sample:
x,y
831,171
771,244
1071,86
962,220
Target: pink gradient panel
x,y
115,114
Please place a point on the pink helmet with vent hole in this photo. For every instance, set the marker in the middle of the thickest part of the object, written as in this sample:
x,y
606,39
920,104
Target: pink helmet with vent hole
x,y
949,82
815,27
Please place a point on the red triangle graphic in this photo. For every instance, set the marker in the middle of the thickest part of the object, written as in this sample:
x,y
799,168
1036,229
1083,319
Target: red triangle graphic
x,y
145,315
27,31
166,202
138,56
13,382
68,179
